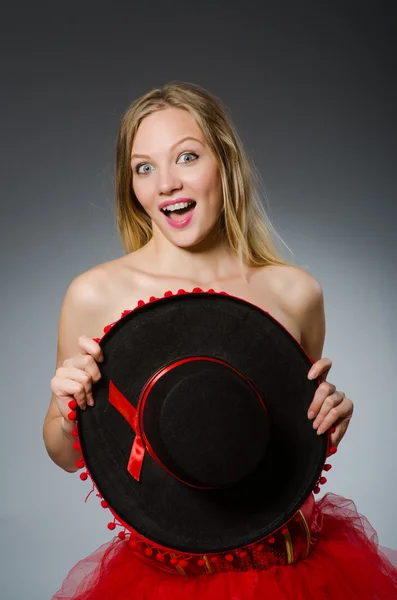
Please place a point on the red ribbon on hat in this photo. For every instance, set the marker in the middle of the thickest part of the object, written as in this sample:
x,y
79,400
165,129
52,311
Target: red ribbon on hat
x,y
130,414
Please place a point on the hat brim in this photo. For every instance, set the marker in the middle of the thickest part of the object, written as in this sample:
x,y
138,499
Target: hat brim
x,y
160,507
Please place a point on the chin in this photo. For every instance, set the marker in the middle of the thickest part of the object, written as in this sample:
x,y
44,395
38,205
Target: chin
x,y
194,242
188,241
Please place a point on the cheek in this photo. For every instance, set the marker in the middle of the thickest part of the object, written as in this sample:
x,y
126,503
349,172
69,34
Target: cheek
x,y
215,189
207,181
142,194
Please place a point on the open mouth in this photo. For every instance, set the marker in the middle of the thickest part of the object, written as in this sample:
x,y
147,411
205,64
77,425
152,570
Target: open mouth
x,y
179,211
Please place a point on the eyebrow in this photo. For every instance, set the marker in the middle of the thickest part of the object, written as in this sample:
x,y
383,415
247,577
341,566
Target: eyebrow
x,y
188,137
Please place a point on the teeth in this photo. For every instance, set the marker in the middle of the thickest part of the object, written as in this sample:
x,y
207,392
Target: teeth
x,y
177,206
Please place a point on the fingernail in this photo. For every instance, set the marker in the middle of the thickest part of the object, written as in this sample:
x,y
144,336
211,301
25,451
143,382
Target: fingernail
x,y
312,374
316,424
310,414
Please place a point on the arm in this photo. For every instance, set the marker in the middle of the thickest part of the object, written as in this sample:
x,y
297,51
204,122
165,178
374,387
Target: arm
x,y
311,317
78,316
329,407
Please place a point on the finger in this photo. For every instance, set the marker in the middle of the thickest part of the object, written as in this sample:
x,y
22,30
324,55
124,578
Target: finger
x,y
329,405
81,376
90,346
320,368
67,389
84,362
335,415
337,433
338,430
324,389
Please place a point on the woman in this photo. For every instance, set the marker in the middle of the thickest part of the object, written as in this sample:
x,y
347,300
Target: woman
x,y
188,216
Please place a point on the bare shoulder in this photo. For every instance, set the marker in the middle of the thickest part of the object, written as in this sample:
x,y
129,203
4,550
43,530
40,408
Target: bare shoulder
x,y
88,290
299,289
87,302
301,297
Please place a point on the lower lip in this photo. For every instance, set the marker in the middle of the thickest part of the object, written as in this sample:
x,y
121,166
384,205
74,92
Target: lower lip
x,y
180,224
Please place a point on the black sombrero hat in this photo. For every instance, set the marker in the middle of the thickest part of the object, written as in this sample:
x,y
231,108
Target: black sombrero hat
x,y
199,438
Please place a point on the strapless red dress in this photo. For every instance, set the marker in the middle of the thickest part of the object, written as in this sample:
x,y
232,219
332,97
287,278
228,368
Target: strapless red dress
x,y
331,552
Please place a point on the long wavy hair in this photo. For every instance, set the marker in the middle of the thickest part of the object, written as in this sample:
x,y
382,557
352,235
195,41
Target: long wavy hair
x,y
244,220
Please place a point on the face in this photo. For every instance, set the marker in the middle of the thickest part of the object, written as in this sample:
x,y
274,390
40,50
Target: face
x,y
175,177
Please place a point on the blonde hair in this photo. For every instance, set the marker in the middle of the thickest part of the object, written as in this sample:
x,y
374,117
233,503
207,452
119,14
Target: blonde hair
x,y
244,221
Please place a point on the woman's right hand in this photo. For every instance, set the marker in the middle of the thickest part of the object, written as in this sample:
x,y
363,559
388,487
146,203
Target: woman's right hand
x,y
74,379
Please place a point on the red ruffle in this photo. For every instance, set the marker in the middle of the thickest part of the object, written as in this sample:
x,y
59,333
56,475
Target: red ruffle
x,y
347,563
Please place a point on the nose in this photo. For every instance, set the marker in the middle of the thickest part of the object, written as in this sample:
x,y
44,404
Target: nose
x,y
168,181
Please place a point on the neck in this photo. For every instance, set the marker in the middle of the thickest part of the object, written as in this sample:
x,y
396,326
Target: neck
x,y
211,260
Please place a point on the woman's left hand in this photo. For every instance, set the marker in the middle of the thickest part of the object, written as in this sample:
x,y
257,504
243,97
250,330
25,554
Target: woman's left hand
x,y
329,407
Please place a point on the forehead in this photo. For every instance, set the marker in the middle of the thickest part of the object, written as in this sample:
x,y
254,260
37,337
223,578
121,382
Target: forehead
x,y
158,131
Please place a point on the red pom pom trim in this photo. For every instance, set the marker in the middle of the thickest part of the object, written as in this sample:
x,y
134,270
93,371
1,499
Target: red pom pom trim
x,y
72,404
109,327
229,557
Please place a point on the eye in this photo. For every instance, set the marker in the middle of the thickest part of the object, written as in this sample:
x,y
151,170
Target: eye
x,y
195,156
137,168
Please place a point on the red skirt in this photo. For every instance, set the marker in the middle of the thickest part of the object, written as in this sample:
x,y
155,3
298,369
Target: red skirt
x,y
346,563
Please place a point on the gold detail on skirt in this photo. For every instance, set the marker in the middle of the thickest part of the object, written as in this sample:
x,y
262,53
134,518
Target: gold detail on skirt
x,y
290,548
307,530
208,567
180,569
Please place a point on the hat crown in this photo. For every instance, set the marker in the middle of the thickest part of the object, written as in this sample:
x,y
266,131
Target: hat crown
x,y
212,428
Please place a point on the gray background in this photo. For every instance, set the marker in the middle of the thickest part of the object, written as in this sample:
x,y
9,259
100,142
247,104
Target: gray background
x,y
312,91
